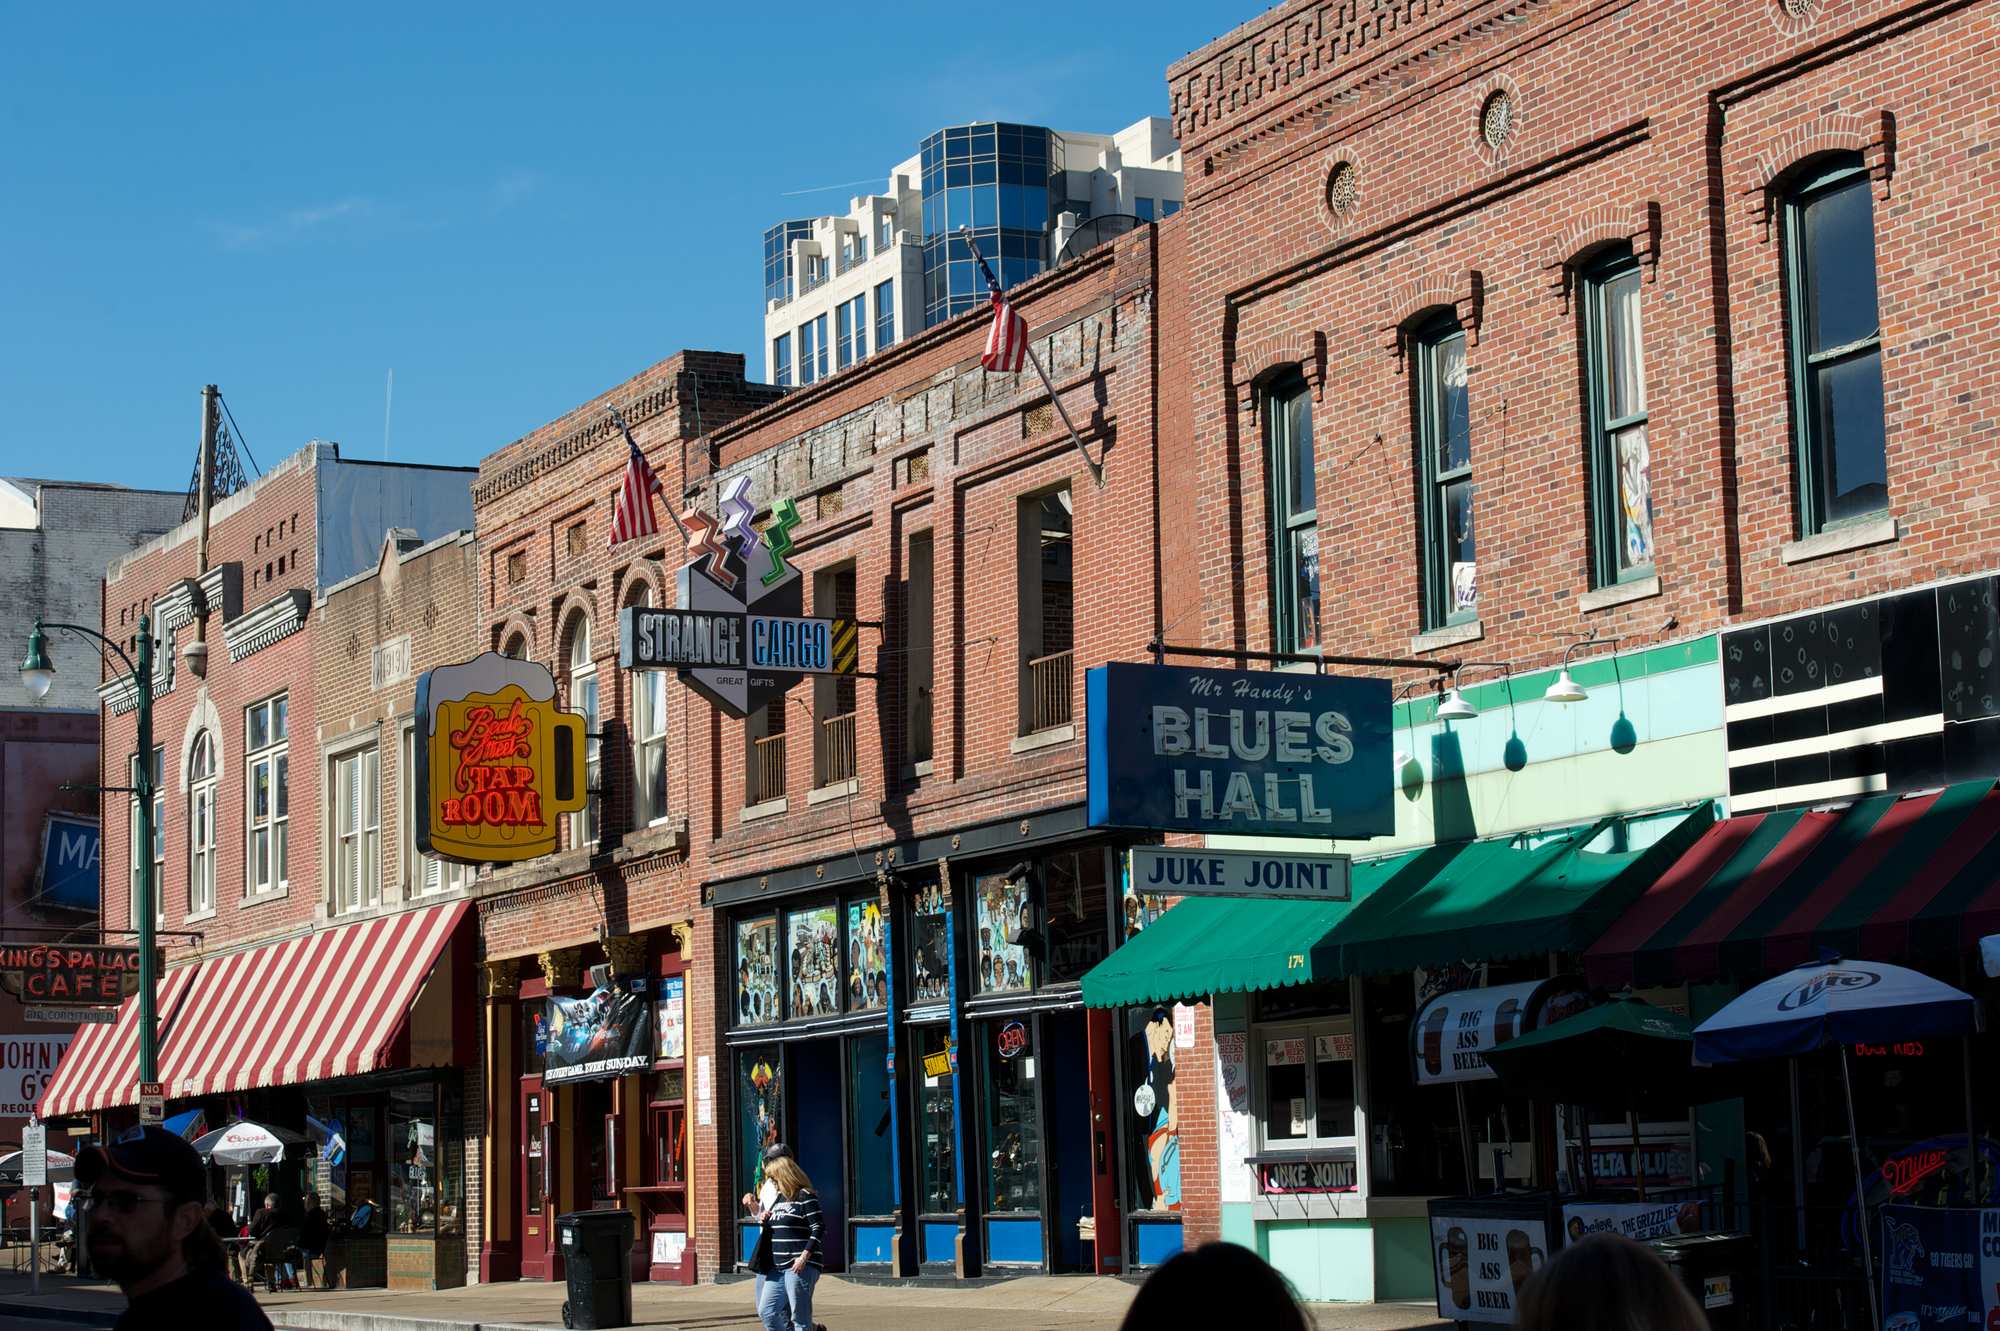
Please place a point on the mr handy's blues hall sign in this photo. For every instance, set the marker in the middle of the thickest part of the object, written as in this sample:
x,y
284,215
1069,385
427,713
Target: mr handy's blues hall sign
x,y
1182,748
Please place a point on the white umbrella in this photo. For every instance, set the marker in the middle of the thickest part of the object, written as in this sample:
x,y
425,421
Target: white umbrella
x,y
246,1143
61,1167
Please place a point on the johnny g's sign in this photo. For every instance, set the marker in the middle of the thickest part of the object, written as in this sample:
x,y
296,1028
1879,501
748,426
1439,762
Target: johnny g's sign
x,y
497,761
1182,748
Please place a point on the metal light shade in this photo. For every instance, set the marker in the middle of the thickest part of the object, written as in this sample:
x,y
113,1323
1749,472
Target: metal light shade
x,y
37,673
1565,689
1455,707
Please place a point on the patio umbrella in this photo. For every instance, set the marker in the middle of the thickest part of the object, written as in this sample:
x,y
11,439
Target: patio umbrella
x,y
60,1167
247,1143
1842,1002
188,1126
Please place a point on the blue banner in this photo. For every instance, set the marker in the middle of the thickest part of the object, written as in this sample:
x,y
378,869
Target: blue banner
x,y
1935,1267
69,862
1263,753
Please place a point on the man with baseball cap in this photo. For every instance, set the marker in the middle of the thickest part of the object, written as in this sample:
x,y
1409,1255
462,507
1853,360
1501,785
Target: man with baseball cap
x,y
148,1233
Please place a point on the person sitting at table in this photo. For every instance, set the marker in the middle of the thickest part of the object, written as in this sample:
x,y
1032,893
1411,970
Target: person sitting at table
x,y
314,1229
274,1231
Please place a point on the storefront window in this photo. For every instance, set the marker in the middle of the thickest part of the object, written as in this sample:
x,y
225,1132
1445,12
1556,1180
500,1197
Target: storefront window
x,y
1412,1130
814,938
936,1145
1014,1160
757,971
867,965
1153,1123
1305,1066
760,1103
873,1191
930,943
672,1164
1076,929
1000,967
534,1036
424,1158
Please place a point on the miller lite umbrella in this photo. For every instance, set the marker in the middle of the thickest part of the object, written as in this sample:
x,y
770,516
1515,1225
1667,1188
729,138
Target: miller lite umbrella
x,y
247,1143
1837,1001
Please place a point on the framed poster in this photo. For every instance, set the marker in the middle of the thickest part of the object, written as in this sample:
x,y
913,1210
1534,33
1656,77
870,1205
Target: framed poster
x,y
757,971
812,936
670,1014
999,967
867,964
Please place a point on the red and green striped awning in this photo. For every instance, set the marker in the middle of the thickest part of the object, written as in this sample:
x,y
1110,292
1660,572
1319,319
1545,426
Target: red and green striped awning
x,y
1881,878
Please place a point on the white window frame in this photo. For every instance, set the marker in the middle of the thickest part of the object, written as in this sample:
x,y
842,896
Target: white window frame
x,y
649,732
1307,1029
159,840
423,875
586,700
204,843
354,808
271,763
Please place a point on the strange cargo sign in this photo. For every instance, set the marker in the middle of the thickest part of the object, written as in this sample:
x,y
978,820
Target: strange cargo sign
x,y
1189,749
498,762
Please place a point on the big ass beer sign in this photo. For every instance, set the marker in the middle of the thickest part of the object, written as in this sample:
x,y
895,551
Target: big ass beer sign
x,y
498,761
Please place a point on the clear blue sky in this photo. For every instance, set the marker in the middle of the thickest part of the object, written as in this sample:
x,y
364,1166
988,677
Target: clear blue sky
x,y
513,207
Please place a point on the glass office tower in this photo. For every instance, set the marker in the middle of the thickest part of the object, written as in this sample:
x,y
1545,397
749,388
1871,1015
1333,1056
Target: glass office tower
x,y
778,258
1003,181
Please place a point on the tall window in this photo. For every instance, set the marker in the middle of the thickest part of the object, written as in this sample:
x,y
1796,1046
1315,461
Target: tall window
x,y
812,350
268,764
649,735
885,232
1836,345
357,824
202,839
1444,460
917,656
583,826
158,855
420,871
1294,525
1621,460
781,360
851,328
885,315
1046,611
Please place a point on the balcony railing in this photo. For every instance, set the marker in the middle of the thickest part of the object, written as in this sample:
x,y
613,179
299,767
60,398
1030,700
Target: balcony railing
x,y
836,735
1049,690
768,763
854,255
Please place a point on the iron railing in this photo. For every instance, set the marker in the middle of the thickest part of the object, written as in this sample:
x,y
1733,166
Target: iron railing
x,y
769,766
1049,690
836,749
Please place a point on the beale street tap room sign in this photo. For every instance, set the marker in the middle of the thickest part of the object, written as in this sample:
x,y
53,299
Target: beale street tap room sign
x,y
498,762
1189,749
739,635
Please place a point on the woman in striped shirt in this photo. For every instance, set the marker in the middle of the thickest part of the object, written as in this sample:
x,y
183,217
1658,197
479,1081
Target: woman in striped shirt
x,y
784,1293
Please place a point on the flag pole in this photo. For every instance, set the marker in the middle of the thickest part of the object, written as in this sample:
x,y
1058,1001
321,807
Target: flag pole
x,y
672,511
1096,471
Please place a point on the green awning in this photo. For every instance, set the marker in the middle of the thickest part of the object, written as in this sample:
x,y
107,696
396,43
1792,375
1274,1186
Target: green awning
x,y
1471,901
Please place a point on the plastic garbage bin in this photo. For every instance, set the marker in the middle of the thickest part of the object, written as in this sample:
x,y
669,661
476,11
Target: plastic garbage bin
x,y
1716,1269
596,1249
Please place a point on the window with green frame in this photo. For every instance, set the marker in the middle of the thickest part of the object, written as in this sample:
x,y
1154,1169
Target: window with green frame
x,y
1836,345
1621,461
1444,466
1294,520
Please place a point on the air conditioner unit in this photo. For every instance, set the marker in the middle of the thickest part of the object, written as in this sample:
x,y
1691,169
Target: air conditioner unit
x,y
600,976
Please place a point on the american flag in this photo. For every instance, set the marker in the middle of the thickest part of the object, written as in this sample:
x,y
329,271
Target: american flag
x,y
1007,344
632,516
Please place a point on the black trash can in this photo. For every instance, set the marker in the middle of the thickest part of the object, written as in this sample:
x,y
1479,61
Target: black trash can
x,y
597,1252
1716,1269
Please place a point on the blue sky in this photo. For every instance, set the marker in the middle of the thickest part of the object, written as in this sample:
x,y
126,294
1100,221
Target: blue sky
x,y
511,207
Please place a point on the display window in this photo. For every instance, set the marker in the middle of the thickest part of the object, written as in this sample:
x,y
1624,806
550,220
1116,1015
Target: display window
x,y
1013,1125
1000,967
867,963
424,1157
930,946
937,1147
1302,1060
670,1020
1078,932
871,1165
1153,1134
757,971
534,1036
812,940
760,1101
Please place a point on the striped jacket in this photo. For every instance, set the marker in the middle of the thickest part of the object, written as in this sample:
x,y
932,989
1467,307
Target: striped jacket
x,y
796,1225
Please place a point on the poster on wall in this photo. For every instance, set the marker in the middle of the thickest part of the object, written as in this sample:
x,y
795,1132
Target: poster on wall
x,y
27,1063
930,967
760,1096
1669,1161
1939,1268
669,1016
1232,1110
608,1034
1001,967
1481,1262
757,971
813,939
1635,1220
867,965
1155,1135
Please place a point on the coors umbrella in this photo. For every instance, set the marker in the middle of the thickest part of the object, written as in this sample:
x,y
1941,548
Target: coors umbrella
x,y
247,1143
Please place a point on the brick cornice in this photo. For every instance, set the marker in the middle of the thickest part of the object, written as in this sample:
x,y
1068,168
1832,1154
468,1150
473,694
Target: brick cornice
x,y
1462,293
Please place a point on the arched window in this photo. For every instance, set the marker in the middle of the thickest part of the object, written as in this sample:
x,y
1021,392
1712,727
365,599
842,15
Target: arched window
x,y
202,832
517,648
583,701
1443,430
649,732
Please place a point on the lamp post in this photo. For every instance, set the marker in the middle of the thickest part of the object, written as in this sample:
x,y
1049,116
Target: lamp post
x,y
37,674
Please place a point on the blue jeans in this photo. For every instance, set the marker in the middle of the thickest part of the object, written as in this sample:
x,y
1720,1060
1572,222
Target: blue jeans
x,y
785,1299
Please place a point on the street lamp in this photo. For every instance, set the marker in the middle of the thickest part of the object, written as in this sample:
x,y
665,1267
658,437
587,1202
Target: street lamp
x,y
38,672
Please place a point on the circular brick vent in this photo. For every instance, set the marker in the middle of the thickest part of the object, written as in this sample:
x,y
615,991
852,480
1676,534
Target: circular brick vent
x,y
1798,9
1342,189
1496,119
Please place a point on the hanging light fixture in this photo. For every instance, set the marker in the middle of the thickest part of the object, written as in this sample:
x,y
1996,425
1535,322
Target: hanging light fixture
x,y
1565,689
1455,707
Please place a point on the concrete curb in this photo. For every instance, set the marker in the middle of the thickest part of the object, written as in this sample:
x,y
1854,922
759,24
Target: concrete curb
x,y
72,1316
311,1320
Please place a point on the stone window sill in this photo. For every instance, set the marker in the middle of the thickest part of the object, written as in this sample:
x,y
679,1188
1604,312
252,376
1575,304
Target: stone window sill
x,y
261,898
1623,594
1449,636
1042,739
768,809
838,790
1857,537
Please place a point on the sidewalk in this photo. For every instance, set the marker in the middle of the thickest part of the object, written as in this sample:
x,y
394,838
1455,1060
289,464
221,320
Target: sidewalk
x,y
1031,1303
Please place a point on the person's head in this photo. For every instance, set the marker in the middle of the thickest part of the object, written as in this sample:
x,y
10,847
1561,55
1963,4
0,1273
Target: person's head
x,y
310,1201
778,1151
1606,1283
270,1201
146,1191
785,1172
1217,1284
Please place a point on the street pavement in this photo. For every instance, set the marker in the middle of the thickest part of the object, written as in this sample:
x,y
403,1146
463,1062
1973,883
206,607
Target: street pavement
x,y
1031,1303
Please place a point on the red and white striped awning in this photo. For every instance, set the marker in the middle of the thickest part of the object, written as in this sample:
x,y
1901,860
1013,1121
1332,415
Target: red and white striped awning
x,y
334,1003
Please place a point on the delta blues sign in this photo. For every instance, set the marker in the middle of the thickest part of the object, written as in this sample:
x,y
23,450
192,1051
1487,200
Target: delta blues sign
x,y
1188,749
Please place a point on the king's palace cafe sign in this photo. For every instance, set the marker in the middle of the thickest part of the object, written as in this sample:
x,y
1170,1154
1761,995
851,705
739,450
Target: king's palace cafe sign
x,y
89,976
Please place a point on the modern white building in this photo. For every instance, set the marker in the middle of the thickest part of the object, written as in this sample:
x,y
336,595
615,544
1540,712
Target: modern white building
x,y
839,288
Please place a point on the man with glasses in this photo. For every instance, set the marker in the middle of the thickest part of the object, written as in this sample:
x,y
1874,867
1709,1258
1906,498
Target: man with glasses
x,y
148,1233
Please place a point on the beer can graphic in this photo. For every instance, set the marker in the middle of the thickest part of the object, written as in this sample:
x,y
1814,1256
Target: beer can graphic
x,y
1433,1040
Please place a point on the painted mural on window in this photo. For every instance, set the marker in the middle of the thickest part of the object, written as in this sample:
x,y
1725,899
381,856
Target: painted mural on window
x,y
757,971
760,1099
1155,1134
814,936
930,971
1002,967
867,964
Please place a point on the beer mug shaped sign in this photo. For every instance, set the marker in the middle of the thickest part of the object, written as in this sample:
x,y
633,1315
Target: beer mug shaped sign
x,y
497,762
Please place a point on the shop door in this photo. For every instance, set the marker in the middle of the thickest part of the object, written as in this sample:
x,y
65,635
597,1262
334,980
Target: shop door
x,y
817,1111
1071,1174
537,1184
